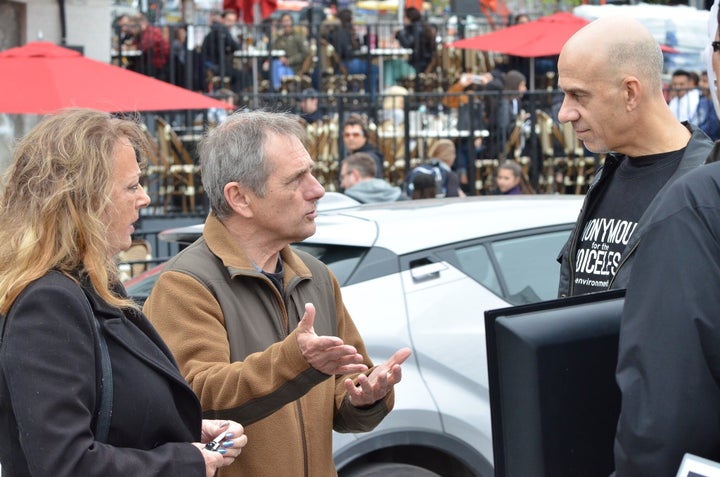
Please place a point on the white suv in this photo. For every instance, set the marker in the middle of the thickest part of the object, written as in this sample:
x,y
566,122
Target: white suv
x,y
421,274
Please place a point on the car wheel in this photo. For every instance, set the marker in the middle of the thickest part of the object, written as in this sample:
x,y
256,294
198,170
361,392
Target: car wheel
x,y
388,470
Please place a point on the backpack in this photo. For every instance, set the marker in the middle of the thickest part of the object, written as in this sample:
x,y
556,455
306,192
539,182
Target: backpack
x,y
435,168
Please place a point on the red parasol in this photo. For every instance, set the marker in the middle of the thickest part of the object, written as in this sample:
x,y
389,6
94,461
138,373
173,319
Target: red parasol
x,y
245,7
42,77
542,37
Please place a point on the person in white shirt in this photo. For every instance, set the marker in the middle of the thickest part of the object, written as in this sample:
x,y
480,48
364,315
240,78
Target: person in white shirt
x,y
685,96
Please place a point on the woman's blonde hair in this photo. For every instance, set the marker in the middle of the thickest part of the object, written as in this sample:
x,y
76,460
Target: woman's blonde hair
x,y
444,150
54,199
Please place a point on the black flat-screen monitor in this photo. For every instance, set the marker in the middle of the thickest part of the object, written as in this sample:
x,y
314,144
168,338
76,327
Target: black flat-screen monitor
x,y
554,401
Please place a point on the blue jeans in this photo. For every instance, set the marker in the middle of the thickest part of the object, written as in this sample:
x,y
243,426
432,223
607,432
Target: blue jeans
x,y
278,71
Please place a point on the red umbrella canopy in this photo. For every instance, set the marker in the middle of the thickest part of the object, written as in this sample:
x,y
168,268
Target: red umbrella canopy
x,y
42,77
542,37
267,7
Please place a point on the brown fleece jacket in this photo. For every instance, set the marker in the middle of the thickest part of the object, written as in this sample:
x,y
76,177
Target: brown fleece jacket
x,y
232,334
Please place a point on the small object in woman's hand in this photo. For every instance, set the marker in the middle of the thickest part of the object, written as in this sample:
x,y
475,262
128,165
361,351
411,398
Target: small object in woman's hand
x,y
215,444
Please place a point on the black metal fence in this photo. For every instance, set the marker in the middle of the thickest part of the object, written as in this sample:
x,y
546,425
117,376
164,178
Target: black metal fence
x,y
403,126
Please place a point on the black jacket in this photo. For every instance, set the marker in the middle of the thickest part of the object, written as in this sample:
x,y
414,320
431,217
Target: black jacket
x,y
345,42
218,47
48,391
696,153
417,37
669,351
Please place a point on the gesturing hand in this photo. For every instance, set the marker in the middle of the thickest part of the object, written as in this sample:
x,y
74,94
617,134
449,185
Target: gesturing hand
x,y
327,354
372,388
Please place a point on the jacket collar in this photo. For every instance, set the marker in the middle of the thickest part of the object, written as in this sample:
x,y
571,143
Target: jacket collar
x,y
146,345
233,256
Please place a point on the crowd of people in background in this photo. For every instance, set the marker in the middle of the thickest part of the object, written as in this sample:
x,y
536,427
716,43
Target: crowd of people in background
x,y
339,45
494,101
137,33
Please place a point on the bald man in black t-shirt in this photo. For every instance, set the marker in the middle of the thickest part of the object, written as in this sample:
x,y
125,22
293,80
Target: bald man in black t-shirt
x,y
611,74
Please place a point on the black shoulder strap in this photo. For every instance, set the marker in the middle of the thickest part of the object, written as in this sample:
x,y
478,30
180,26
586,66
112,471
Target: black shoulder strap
x,y
2,327
104,412
102,425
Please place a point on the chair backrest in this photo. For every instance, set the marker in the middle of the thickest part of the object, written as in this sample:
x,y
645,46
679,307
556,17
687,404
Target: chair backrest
x,y
171,147
330,60
162,131
513,147
546,126
573,145
181,152
139,250
154,156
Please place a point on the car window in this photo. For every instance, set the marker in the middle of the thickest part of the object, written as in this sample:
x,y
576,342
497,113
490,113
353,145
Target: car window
x,y
342,260
519,269
475,261
528,266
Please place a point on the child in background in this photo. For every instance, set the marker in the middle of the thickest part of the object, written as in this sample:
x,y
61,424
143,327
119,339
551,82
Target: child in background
x,y
510,179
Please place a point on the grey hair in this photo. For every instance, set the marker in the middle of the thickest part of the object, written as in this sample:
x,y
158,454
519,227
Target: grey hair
x,y
234,151
643,56
361,162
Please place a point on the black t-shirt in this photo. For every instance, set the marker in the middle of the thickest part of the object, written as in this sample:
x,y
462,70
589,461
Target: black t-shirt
x,y
614,218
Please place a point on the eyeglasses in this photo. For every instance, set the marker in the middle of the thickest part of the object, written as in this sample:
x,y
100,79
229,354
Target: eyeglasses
x,y
715,46
352,134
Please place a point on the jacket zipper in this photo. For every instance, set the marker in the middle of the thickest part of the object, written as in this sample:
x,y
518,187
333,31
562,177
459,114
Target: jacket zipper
x,y
301,421
622,262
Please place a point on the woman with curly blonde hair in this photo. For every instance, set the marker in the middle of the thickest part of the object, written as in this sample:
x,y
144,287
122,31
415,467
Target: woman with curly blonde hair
x,y
87,386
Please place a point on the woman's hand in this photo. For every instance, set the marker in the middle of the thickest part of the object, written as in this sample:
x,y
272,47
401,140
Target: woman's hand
x,y
213,460
233,442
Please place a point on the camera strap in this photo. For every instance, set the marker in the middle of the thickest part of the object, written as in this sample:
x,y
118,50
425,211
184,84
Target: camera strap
x,y
105,383
102,426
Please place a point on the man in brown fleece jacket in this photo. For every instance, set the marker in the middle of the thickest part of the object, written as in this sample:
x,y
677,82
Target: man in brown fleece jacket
x,y
259,329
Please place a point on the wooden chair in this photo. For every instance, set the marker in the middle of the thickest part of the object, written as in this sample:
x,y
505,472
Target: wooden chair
x,y
181,167
155,173
322,145
573,146
315,142
485,170
513,146
550,135
391,143
139,251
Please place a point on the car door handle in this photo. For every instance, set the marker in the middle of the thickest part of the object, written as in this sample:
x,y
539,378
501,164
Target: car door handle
x,y
428,271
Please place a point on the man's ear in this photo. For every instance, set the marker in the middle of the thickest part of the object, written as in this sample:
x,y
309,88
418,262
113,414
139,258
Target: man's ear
x,y
633,92
239,198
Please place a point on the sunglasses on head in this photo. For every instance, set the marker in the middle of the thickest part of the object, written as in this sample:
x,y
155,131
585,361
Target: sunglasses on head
x,y
715,45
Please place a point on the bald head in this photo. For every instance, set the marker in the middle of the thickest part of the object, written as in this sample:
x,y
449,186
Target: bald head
x,y
620,46
610,72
